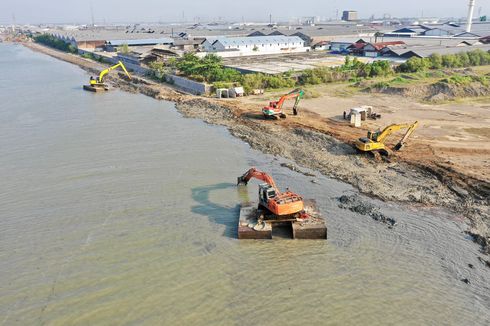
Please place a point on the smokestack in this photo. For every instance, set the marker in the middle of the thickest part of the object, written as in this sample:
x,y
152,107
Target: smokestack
x,y
470,15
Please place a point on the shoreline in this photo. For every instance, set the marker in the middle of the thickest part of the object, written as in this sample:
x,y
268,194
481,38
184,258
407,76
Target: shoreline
x,y
321,148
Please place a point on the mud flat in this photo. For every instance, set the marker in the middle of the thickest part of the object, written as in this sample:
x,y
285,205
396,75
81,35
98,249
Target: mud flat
x,y
321,150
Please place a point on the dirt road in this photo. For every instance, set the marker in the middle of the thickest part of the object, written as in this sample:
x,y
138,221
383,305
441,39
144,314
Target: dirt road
x,y
319,139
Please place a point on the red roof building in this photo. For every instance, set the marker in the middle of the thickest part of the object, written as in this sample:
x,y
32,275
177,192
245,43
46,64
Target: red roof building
x,y
375,49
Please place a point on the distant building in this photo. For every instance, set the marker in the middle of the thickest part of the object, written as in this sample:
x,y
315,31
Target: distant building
x,y
321,46
256,33
349,15
343,46
485,40
309,21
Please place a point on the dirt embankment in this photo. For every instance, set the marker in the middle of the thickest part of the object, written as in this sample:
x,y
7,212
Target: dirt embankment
x,y
470,85
398,181
325,148
438,92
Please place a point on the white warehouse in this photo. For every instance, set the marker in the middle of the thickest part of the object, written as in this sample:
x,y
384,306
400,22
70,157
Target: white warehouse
x,y
254,45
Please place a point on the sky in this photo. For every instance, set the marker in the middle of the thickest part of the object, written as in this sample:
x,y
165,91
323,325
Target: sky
x,y
111,11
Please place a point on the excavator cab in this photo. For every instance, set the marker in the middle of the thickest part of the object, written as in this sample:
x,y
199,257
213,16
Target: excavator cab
x,y
373,135
266,192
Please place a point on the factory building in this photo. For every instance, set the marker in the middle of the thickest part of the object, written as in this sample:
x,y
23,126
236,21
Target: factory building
x,y
112,45
349,15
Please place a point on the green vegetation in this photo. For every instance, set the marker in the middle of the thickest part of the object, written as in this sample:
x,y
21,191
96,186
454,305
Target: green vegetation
x,y
437,61
352,70
54,42
124,48
461,80
91,56
210,69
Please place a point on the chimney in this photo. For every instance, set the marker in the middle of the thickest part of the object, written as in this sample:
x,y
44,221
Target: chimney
x,y
470,15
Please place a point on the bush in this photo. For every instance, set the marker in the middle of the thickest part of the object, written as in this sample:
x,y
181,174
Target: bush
x,y
435,61
252,81
414,65
124,48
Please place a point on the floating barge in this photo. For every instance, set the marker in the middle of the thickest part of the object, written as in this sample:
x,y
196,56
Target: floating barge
x,y
254,223
95,89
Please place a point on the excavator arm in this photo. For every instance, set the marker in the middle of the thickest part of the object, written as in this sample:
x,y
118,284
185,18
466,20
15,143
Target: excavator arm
x,y
106,71
407,135
296,94
381,136
262,176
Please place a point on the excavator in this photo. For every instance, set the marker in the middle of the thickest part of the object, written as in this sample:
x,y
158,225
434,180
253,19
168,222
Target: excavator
x,y
375,141
98,84
274,109
281,205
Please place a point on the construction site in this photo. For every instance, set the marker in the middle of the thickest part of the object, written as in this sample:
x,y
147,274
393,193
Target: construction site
x,y
443,161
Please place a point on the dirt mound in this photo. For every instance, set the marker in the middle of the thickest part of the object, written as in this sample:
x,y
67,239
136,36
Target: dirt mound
x,y
437,92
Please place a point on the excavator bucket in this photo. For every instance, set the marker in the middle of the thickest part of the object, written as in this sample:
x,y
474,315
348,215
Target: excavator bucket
x,y
240,181
399,147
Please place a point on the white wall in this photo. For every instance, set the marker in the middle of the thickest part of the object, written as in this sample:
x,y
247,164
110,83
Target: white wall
x,y
262,47
232,54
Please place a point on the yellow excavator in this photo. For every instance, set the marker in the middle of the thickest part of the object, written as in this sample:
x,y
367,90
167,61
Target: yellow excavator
x,y
98,84
375,141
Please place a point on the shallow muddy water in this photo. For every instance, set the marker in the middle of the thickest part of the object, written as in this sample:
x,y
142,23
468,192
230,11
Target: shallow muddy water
x,y
116,210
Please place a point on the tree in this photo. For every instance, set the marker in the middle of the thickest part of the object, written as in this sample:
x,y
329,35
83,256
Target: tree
x,y
464,59
414,64
435,61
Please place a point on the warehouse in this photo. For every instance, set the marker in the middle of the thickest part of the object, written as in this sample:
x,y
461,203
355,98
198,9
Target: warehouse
x,y
427,51
255,45
112,45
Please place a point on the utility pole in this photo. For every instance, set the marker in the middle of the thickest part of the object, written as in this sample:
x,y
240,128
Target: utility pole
x,y
270,19
92,14
13,22
471,9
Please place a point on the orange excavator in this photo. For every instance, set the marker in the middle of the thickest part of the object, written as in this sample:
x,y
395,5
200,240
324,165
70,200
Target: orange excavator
x,y
282,205
274,109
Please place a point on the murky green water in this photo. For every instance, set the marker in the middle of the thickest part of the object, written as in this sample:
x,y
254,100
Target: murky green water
x,y
115,210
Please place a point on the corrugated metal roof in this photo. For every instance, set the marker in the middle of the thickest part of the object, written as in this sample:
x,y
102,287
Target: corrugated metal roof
x,y
427,51
235,41
149,41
